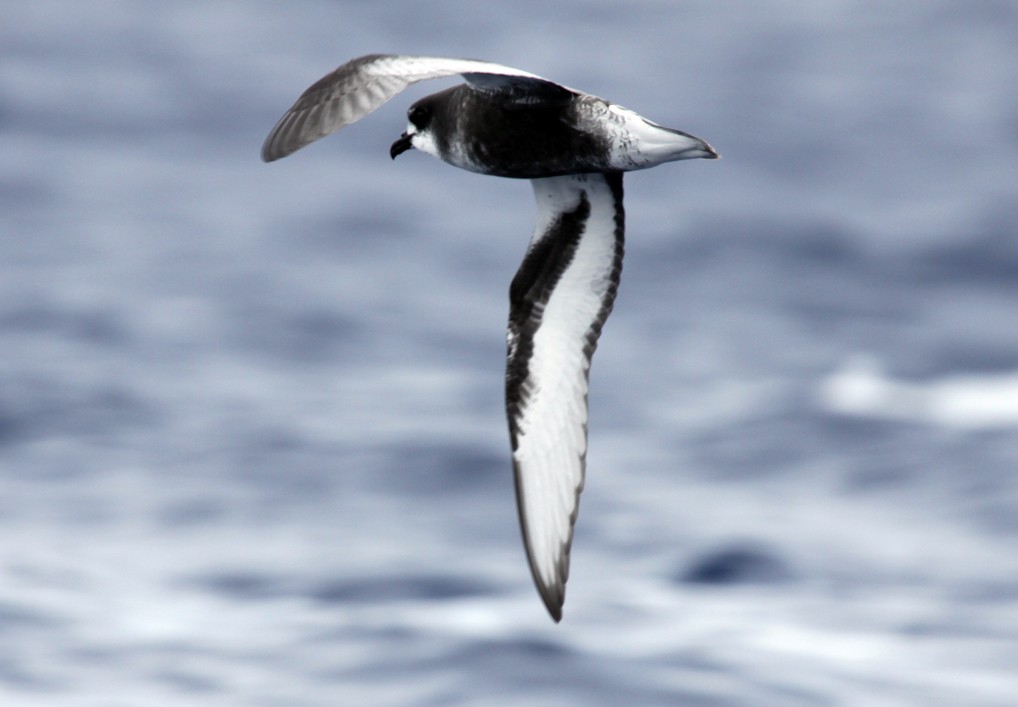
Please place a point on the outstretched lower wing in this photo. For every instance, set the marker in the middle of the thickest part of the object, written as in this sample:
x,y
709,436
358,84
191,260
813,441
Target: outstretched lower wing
x,y
559,300
362,85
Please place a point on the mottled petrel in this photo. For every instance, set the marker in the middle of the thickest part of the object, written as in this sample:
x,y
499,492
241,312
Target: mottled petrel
x,y
574,148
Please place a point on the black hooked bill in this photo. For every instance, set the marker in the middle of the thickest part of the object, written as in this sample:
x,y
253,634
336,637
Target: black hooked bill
x,y
401,145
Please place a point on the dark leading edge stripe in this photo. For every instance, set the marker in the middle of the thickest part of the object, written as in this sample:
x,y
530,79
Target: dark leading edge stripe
x,y
614,180
536,279
530,291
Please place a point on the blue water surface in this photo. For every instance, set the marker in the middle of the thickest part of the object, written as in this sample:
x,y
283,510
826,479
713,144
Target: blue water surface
x,y
252,444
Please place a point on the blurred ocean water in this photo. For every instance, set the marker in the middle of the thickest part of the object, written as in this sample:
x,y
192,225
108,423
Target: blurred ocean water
x,y
252,446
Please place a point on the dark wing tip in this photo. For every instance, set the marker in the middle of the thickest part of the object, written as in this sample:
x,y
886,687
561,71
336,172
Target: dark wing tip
x,y
554,598
283,140
268,155
552,593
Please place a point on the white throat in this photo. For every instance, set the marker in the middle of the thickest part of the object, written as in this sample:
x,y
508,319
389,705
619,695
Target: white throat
x,y
423,141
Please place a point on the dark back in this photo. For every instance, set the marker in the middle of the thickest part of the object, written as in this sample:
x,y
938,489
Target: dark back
x,y
507,134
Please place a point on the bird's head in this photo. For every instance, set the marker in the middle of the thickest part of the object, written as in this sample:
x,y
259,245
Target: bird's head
x,y
419,132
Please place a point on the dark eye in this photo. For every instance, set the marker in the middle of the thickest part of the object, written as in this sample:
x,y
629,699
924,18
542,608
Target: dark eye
x,y
419,115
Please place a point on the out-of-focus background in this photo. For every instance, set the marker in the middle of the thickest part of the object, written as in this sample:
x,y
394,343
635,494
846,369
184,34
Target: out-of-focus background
x,y
252,445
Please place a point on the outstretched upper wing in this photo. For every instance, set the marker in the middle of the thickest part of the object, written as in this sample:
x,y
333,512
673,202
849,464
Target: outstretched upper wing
x,y
559,300
362,85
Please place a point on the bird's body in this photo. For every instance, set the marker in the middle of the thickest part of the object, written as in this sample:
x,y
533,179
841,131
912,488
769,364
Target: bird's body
x,y
574,147
483,134
566,133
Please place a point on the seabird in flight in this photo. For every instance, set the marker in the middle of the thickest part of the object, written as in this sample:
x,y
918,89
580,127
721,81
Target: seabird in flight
x,y
574,147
